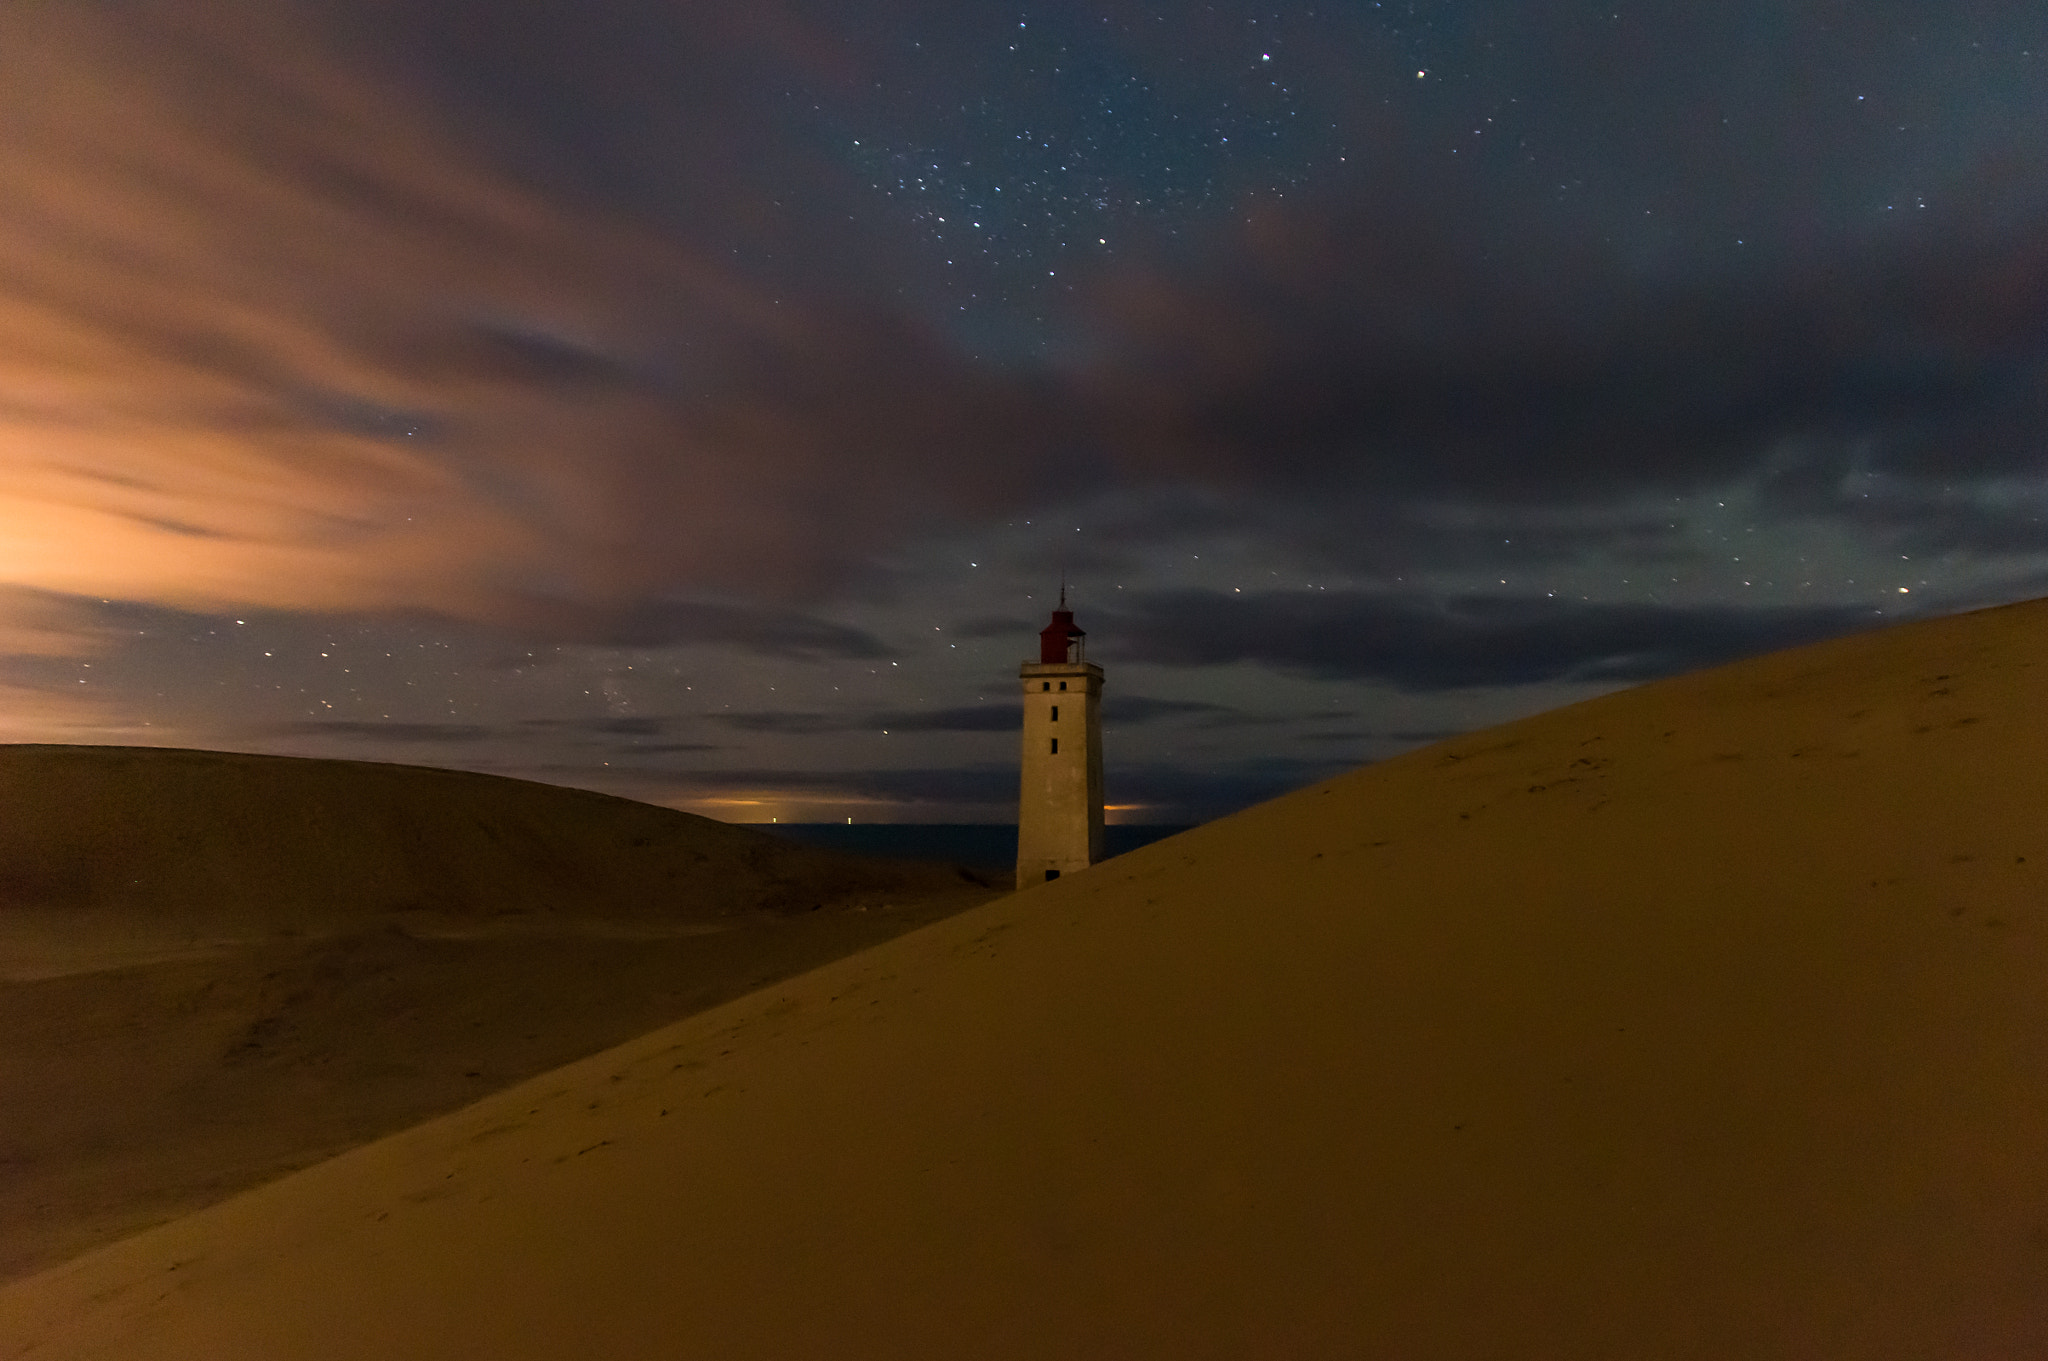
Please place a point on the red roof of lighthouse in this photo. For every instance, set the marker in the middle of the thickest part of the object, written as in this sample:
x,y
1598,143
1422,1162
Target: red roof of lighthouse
x,y
1055,639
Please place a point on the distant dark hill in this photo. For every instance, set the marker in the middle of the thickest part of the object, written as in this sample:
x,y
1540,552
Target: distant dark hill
x,y
200,835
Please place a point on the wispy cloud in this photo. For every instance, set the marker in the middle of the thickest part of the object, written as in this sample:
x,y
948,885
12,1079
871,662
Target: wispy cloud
x,y
1431,644
283,325
391,732
998,717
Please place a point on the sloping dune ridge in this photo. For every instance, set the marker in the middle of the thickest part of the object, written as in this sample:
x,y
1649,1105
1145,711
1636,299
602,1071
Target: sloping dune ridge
x,y
218,968
205,840
1708,1019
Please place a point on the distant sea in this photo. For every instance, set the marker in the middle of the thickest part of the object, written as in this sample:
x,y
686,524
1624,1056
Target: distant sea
x,y
982,846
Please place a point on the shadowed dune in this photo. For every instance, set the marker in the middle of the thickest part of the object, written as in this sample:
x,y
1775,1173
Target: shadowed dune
x,y
217,968
1709,1019
200,838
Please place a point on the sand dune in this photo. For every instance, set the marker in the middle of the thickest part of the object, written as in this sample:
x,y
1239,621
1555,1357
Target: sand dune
x,y
211,842
215,969
1705,1020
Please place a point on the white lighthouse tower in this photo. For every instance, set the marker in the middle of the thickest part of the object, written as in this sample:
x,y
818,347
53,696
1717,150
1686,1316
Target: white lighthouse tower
x,y
1059,802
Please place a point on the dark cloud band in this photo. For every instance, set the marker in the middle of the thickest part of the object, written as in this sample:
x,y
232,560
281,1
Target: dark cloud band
x,y
1419,644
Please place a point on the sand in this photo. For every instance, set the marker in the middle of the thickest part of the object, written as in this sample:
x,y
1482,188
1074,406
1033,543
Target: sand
x,y
1709,1019
216,969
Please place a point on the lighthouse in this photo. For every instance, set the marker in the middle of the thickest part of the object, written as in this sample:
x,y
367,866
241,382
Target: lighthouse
x,y
1059,801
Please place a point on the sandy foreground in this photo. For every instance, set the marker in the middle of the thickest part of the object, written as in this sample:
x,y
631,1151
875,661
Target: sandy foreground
x,y
217,969
1708,1019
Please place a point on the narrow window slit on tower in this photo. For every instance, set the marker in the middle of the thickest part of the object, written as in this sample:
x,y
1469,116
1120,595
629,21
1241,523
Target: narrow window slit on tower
x,y
1055,746
1063,685
1055,713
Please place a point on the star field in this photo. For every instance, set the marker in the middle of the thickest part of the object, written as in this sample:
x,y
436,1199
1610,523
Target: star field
x,y
704,404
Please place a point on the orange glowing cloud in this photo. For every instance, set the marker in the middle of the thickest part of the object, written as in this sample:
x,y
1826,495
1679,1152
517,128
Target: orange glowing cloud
x,y
270,335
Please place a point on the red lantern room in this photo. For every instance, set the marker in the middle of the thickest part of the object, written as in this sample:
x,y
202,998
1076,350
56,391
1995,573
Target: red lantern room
x,y
1060,641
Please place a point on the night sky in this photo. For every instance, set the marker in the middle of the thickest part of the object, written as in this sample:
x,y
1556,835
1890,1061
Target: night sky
x,y
703,402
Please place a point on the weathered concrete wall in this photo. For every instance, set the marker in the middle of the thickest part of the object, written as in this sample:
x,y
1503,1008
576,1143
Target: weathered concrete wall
x,y
1059,803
